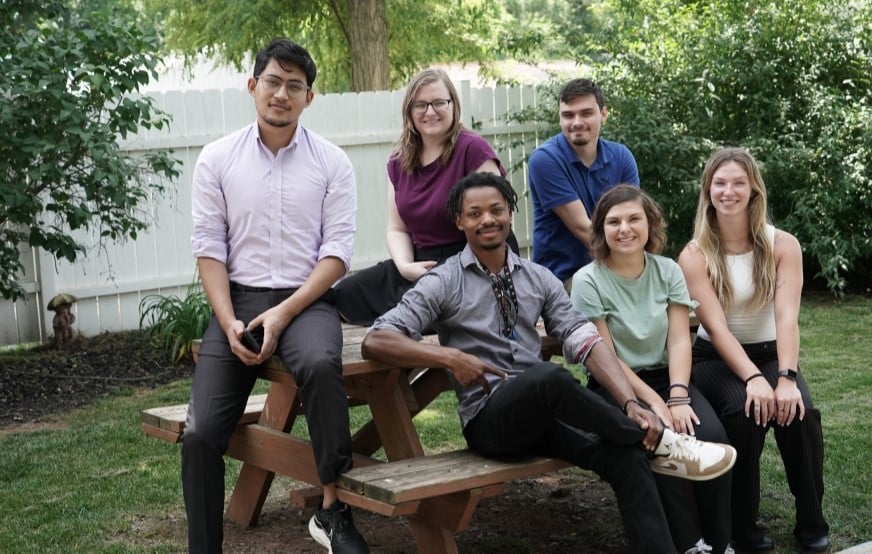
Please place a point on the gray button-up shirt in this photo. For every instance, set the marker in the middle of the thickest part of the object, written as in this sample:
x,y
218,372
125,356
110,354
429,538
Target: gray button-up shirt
x,y
457,300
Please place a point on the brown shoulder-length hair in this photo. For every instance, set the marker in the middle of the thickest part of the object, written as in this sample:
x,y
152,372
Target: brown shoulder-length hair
x,y
706,233
599,249
409,146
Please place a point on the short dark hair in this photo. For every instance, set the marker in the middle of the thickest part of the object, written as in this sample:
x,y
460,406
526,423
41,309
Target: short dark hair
x,y
285,51
581,87
599,249
480,179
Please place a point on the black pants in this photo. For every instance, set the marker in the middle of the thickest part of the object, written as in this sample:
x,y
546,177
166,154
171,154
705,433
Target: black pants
x,y
368,293
801,443
311,348
546,411
694,509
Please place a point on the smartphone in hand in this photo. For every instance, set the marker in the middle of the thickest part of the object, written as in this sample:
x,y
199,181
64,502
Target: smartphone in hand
x,y
250,342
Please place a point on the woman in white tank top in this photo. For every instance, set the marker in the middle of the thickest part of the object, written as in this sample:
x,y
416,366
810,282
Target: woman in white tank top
x,y
747,277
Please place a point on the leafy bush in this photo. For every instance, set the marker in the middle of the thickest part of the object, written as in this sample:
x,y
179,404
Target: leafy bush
x,y
792,82
174,322
69,92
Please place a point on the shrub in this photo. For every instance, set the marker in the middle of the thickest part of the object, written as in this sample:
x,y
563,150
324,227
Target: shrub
x,y
174,322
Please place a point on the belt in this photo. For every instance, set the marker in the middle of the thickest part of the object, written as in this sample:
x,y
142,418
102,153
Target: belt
x,y
245,288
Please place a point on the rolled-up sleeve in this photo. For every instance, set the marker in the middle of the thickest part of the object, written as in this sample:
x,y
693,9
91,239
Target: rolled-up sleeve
x,y
339,211
208,210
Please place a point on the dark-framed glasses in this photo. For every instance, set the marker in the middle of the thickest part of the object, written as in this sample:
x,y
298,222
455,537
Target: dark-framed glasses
x,y
438,105
292,87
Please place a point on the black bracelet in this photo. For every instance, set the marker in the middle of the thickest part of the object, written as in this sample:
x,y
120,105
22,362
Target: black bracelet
x,y
627,403
679,386
753,377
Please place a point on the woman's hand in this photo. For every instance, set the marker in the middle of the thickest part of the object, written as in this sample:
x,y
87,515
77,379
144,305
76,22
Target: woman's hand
x,y
412,270
789,402
683,419
759,401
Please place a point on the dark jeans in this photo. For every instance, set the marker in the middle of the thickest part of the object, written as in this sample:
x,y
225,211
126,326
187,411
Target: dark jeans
x,y
694,509
311,348
546,411
800,443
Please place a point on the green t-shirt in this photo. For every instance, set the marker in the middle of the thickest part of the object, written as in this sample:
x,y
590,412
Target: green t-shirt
x,y
634,309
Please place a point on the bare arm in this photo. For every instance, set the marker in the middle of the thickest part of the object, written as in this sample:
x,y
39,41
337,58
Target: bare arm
x,y
395,348
400,243
604,366
574,217
711,316
640,387
788,295
678,349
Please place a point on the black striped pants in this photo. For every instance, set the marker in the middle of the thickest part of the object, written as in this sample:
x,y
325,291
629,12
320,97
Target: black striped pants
x,y
800,443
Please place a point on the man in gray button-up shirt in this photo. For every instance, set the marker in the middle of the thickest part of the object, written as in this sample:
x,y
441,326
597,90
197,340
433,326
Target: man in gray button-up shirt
x,y
485,303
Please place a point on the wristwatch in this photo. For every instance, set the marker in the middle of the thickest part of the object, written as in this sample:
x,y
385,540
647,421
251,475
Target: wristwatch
x,y
787,374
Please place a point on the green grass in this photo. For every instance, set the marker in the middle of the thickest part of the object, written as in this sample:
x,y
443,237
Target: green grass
x,y
98,484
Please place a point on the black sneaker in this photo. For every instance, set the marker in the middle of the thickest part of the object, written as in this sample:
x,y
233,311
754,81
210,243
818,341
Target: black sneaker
x,y
334,529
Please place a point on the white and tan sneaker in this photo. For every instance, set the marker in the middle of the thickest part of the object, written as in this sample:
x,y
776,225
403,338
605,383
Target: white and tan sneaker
x,y
686,457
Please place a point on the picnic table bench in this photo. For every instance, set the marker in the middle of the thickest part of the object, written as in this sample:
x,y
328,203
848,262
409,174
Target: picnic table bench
x,y
437,493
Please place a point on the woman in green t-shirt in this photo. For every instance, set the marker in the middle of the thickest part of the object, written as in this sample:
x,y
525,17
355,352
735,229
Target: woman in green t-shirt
x,y
639,302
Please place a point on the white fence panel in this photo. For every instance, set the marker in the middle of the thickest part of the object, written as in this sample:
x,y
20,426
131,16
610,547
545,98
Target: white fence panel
x,y
111,281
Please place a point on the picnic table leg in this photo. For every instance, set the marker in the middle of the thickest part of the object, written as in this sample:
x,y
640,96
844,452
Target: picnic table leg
x,y
428,385
438,519
253,483
386,395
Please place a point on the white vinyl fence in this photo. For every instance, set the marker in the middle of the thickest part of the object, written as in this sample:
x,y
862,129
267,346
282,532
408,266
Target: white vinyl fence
x,y
110,282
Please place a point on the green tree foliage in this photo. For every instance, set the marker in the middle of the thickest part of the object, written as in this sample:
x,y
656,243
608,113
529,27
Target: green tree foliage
x,y
790,81
418,33
64,102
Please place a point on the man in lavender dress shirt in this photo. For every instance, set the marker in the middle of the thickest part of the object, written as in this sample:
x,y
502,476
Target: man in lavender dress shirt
x,y
274,215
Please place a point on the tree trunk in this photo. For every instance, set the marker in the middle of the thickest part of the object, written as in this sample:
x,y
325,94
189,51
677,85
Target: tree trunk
x,y
368,44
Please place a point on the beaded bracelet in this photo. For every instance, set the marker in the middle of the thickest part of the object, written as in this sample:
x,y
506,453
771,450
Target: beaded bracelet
x,y
679,401
753,377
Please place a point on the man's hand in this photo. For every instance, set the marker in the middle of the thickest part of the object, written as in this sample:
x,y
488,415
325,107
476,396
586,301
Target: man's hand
x,y
274,322
648,422
469,370
234,337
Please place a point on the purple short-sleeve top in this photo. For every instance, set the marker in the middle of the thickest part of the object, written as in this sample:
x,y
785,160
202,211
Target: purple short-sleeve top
x,y
422,196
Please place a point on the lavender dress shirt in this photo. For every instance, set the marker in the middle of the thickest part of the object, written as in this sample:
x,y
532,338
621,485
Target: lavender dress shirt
x,y
271,218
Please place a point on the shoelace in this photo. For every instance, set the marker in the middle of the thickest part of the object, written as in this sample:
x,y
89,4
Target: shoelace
x,y
686,448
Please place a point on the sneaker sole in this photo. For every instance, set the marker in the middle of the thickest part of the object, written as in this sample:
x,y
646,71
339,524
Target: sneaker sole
x,y
319,535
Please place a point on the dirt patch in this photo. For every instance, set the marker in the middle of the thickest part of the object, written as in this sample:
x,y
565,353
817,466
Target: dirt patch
x,y
570,511
45,381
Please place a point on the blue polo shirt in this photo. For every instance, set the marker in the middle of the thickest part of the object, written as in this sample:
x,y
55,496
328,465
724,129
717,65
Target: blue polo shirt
x,y
558,177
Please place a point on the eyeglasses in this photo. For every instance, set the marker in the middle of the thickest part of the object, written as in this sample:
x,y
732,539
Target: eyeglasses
x,y
439,105
273,84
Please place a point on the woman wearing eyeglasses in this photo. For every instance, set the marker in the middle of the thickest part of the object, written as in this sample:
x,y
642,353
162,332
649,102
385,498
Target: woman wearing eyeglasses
x,y
431,155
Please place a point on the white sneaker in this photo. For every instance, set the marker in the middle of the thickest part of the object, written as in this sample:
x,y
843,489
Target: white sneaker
x,y
684,456
700,548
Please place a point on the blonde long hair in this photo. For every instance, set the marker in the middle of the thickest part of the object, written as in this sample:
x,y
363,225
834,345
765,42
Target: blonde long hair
x,y
706,233
409,146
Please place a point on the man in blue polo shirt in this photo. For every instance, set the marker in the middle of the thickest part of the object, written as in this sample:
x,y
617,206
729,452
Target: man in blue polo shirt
x,y
568,173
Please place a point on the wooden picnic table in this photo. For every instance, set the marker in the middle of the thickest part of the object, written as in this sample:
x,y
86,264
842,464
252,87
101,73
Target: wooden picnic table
x,y
394,396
